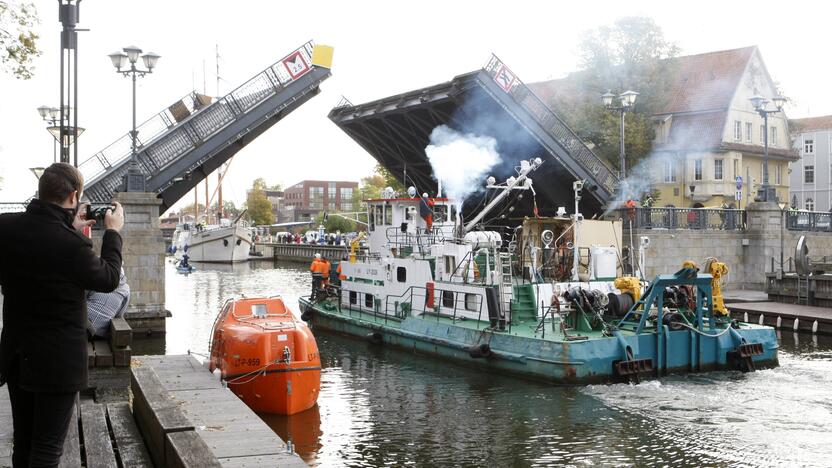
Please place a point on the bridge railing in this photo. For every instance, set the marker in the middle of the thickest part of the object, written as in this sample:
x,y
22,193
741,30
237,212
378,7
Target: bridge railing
x,y
801,220
684,218
189,122
7,207
547,119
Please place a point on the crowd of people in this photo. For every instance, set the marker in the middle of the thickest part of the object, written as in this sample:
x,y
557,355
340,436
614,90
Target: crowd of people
x,y
327,239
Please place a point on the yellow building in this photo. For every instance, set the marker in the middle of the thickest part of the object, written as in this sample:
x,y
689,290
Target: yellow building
x,y
708,133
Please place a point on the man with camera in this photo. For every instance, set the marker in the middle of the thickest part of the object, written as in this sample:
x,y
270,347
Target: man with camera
x,y
46,267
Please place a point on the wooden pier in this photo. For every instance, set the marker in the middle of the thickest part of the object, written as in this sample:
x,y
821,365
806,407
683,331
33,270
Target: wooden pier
x,y
784,316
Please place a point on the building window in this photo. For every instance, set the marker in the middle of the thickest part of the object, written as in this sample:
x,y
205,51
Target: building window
x,y
331,205
810,204
401,274
737,130
331,191
316,198
670,171
368,300
346,206
697,169
346,193
762,134
778,176
772,139
809,174
675,191
809,146
748,127
736,168
353,297
718,169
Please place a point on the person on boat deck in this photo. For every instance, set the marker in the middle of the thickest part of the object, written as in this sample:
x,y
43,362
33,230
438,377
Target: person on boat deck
x,y
316,274
341,276
325,268
45,270
103,307
184,263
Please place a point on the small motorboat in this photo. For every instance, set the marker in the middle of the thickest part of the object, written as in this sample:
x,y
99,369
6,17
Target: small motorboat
x,y
267,356
182,266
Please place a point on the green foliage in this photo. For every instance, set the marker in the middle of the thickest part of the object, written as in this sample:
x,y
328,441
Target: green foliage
x,y
389,179
258,204
18,41
629,55
335,223
230,210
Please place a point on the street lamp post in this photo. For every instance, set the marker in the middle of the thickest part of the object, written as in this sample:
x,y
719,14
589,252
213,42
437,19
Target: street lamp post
x,y
626,101
134,180
766,193
50,115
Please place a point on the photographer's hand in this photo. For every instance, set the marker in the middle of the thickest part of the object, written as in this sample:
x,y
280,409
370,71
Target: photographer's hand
x,y
114,219
81,221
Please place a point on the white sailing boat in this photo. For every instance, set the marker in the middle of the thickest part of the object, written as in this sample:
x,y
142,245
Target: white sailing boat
x,y
227,242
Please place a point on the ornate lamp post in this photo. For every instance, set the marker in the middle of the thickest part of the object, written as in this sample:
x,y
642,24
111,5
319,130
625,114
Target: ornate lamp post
x,y
134,180
50,115
626,101
766,193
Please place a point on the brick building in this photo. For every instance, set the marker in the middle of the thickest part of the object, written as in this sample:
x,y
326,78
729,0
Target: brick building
x,y
306,199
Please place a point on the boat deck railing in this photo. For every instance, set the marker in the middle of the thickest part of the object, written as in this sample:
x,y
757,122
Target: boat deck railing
x,y
417,299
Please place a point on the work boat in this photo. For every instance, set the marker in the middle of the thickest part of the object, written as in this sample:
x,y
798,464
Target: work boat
x,y
266,356
227,242
530,307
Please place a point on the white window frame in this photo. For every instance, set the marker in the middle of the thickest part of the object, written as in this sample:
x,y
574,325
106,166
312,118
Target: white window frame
x,y
810,204
809,169
809,146
762,134
720,173
697,169
669,171
737,130
736,168
772,139
748,131
778,174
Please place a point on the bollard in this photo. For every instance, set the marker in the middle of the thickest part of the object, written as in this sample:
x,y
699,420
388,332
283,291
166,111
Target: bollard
x,y
779,322
815,327
761,319
745,317
794,327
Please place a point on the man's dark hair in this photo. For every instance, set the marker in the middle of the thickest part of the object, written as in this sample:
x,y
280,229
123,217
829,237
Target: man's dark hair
x,y
58,181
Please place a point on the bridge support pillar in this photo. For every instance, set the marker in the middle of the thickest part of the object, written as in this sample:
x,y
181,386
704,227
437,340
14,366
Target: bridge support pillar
x,y
144,261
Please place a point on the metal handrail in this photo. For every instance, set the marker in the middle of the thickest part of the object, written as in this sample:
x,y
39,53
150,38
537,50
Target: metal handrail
x,y
684,218
547,118
803,220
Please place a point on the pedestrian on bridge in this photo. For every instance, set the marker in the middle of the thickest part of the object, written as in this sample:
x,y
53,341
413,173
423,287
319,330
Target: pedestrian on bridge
x,y
46,267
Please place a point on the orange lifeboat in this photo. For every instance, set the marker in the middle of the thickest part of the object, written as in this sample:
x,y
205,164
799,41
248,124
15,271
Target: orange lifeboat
x,y
267,357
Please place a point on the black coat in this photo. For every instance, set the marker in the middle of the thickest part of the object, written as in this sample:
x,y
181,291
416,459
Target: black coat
x,y
45,268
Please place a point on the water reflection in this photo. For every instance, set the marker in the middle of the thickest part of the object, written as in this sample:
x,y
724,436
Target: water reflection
x,y
384,406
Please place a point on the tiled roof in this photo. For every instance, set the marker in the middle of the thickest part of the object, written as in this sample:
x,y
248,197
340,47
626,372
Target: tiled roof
x,y
811,123
692,132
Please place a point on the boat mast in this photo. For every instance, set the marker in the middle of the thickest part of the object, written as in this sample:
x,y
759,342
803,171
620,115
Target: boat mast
x,y
511,184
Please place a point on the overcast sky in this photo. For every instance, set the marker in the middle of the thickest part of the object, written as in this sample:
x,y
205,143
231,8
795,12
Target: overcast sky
x,y
381,48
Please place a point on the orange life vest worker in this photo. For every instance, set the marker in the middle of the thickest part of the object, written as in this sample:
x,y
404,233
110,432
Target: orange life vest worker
x,y
314,266
341,276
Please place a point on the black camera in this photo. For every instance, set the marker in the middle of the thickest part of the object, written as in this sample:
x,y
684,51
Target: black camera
x,y
97,211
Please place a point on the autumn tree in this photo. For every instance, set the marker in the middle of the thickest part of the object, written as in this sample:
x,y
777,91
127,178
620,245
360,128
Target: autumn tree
x,y
631,54
18,41
334,223
258,204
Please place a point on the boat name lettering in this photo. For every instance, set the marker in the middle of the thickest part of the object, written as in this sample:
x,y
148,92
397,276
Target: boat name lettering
x,y
246,361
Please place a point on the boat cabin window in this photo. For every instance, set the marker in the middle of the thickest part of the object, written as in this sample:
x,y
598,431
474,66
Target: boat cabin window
x,y
371,219
368,300
440,213
450,264
258,310
401,274
379,210
448,299
388,214
353,297
470,301
409,213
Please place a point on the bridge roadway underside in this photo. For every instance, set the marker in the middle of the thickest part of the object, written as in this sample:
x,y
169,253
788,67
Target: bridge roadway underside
x,y
395,131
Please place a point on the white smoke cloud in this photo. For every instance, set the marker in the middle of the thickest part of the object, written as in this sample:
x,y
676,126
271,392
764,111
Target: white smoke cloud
x,y
460,161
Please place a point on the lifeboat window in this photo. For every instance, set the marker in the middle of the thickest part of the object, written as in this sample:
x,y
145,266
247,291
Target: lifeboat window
x,y
368,300
401,274
447,299
353,297
470,301
258,310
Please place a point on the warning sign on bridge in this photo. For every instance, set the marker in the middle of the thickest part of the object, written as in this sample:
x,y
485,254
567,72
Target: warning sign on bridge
x,y
296,65
505,78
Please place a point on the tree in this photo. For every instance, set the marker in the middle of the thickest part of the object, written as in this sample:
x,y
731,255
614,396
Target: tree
x,y
18,41
389,179
258,204
229,209
632,54
334,223
276,188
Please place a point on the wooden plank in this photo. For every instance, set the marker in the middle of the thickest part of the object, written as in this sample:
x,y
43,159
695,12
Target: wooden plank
x,y
90,355
71,458
155,412
97,445
129,444
187,449
121,334
121,356
282,460
6,431
180,372
103,354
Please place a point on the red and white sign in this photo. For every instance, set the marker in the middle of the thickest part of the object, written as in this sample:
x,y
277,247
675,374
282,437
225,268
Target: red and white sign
x,y
296,65
505,78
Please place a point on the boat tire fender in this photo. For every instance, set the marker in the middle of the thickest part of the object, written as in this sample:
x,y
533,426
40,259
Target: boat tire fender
x,y
374,339
307,315
481,350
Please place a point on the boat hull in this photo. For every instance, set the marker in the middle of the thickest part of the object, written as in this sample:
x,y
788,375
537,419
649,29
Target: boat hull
x,y
576,362
229,244
298,386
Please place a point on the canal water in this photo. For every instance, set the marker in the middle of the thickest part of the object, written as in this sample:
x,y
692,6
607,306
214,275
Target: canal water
x,y
382,406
